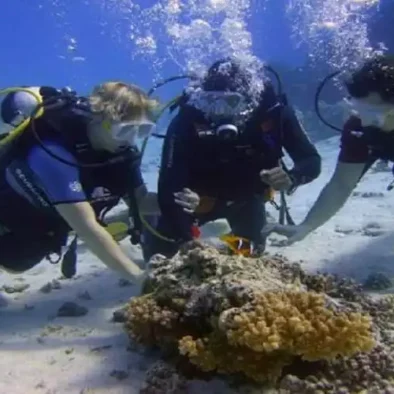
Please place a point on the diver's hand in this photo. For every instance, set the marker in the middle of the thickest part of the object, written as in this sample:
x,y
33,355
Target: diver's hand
x,y
187,199
139,279
277,178
292,233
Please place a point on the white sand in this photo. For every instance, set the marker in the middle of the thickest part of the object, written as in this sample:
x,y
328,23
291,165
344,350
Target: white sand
x,y
41,353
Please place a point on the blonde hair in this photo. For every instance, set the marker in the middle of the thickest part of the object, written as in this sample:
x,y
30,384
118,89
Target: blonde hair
x,y
118,101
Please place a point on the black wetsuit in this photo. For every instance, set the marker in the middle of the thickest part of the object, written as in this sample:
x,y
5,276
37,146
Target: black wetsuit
x,y
229,172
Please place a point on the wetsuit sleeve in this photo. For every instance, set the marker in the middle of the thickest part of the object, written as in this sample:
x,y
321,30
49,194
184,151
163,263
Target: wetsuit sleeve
x,y
306,159
174,176
59,181
354,149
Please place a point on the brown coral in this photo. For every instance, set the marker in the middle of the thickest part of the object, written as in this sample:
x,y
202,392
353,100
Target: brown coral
x,y
260,317
382,311
364,373
334,286
162,378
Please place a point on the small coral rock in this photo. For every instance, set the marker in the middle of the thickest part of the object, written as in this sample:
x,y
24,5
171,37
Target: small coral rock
x,y
71,309
378,281
162,378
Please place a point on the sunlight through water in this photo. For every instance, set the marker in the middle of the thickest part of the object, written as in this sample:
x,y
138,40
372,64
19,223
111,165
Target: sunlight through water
x,y
333,30
191,34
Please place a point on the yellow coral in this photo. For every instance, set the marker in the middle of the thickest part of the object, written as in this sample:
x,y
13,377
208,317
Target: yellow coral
x,y
260,338
214,354
198,353
147,322
299,324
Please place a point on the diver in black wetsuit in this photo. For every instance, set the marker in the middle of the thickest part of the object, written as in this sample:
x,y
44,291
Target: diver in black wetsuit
x,y
226,145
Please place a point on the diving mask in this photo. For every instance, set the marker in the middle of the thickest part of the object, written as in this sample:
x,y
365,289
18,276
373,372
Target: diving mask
x,y
226,111
132,130
216,105
376,115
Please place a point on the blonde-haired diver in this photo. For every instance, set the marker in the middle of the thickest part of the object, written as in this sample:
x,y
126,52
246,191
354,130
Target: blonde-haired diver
x,y
65,161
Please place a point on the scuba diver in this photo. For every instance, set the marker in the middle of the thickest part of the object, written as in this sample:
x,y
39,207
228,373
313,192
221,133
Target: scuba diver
x,y
225,145
367,137
65,162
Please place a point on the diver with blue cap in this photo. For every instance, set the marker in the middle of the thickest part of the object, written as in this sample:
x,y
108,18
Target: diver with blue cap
x,y
225,147
65,161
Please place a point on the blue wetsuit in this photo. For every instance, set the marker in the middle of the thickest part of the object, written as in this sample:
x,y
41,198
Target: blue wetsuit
x,y
32,183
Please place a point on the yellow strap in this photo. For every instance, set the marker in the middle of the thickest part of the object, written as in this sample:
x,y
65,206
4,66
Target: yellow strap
x,y
21,127
118,230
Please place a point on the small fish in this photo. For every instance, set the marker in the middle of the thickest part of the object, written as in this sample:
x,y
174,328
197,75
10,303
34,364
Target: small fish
x,y
238,245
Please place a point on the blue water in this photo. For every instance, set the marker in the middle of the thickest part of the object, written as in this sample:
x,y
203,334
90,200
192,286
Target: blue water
x,y
35,38
31,42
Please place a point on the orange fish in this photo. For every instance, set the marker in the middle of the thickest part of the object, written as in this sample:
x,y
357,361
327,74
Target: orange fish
x,y
238,245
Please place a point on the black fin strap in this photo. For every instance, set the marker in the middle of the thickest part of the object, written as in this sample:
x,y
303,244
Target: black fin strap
x,y
69,262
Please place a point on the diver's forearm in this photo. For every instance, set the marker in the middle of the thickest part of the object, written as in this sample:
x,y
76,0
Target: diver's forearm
x,y
335,194
101,243
326,206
